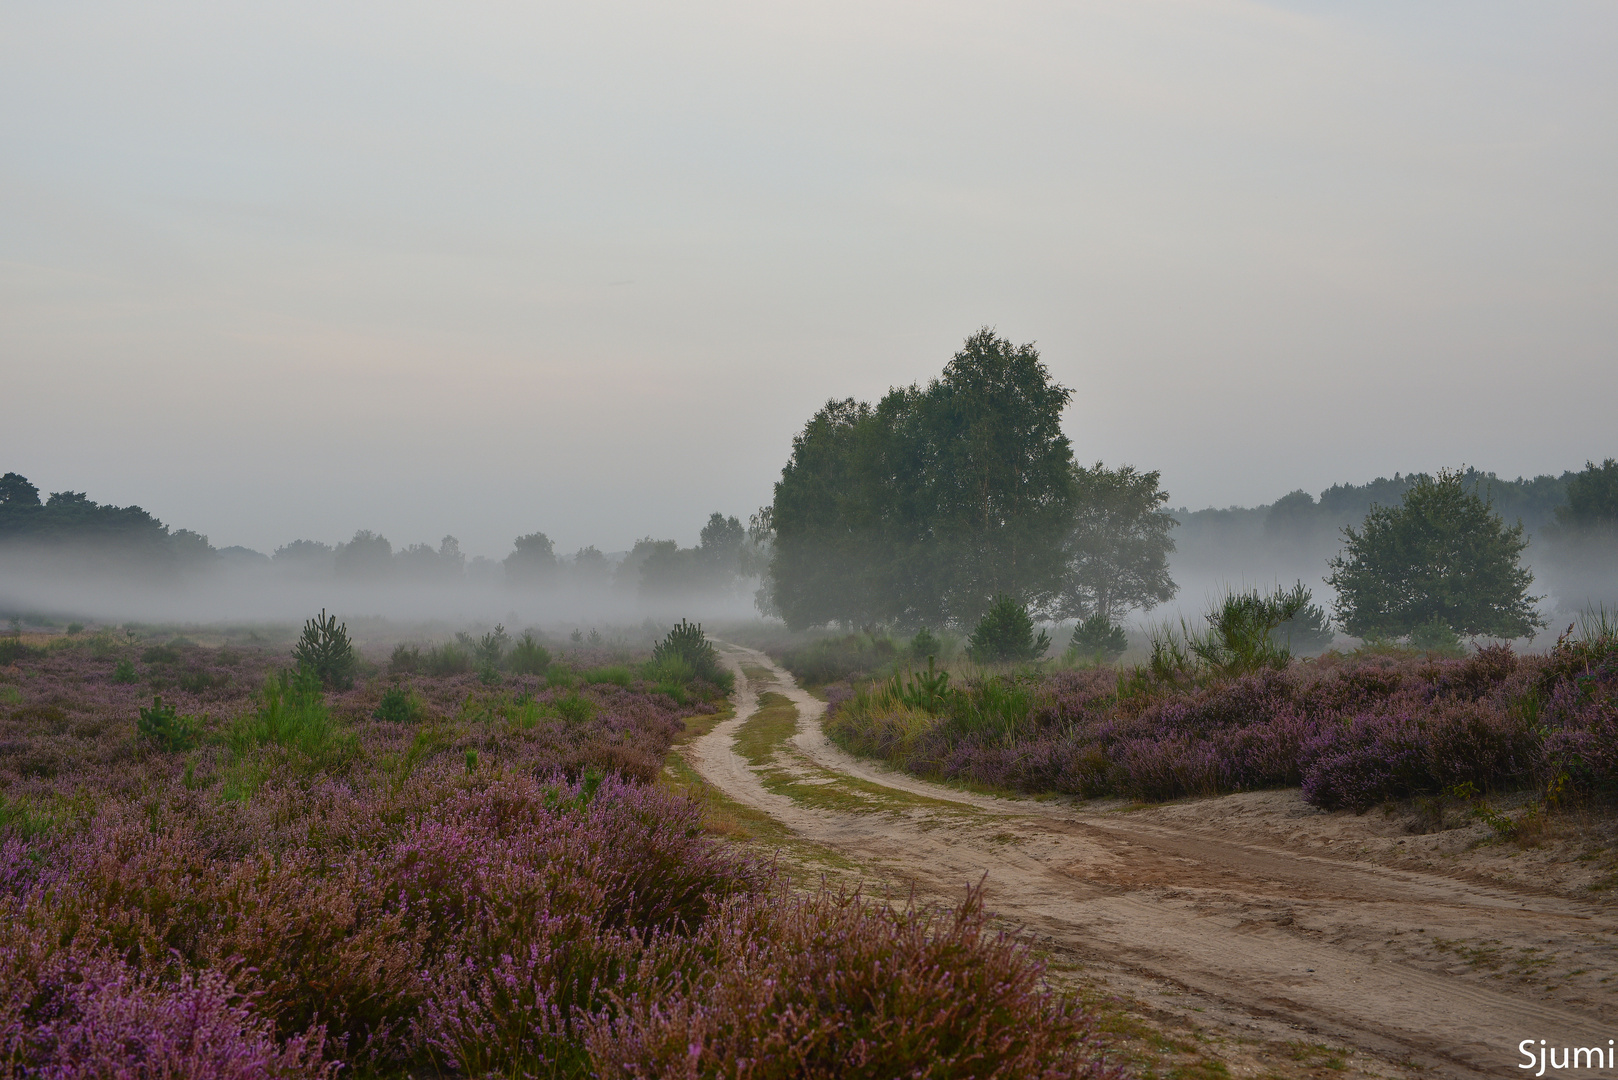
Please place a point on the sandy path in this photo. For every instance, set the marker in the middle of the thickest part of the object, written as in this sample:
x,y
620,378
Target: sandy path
x,y
1416,967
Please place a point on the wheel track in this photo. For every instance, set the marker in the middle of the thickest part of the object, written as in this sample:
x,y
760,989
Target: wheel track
x,y
1282,940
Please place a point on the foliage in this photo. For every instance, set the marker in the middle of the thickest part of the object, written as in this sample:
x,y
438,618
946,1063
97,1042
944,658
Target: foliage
x,y
399,705
687,642
1436,637
1005,634
1118,544
793,990
1098,638
1444,555
832,659
532,560
162,727
366,557
1307,632
292,716
484,896
446,659
324,650
1243,634
405,660
528,656
1592,497
925,644
921,509
12,650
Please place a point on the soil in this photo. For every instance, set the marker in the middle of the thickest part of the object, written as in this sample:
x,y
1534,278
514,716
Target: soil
x,y
1285,939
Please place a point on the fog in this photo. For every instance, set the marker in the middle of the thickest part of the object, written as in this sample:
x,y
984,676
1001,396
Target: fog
x,y
298,270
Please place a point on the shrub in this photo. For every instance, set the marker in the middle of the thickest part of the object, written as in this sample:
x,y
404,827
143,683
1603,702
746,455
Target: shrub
x,y
837,986
1244,632
447,659
1005,634
611,674
292,715
97,1016
12,650
406,660
574,708
528,656
490,649
688,642
925,645
124,672
161,654
1098,638
163,727
831,660
399,705
325,650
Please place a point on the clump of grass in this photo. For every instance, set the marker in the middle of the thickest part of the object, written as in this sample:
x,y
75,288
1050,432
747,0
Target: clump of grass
x,y
294,725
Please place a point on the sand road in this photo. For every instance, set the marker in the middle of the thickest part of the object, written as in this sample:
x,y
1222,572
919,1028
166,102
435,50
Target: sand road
x,y
1220,906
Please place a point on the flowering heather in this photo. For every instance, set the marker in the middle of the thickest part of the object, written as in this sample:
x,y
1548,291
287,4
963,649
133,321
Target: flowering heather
x,y
1350,732
486,884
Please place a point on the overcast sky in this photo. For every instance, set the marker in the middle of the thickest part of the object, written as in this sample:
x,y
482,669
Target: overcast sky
x,y
289,270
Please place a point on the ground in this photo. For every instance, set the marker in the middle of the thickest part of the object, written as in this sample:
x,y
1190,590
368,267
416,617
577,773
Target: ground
x,y
1245,935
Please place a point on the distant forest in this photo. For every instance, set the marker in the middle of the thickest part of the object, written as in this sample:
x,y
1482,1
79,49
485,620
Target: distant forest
x,y
1576,512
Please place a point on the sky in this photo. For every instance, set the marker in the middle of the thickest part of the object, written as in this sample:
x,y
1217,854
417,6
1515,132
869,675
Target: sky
x,y
280,271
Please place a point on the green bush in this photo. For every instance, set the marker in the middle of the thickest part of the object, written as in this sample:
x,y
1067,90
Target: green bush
x,y
161,654
925,645
1242,635
1098,638
124,672
836,659
291,716
164,728
447,659
689,643
611,674
490,649
399,705
325,650
12,650
1005,634
528,656
574,708
406,660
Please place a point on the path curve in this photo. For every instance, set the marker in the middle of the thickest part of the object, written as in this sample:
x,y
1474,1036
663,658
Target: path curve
x,y
1275,941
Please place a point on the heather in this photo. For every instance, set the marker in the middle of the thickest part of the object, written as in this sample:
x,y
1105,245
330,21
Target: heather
x,y
227,868
1351,731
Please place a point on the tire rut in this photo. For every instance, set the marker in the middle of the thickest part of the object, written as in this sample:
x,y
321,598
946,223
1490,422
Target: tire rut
x,y
1282,940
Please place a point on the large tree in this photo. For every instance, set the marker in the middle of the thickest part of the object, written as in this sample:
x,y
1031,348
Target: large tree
x,y
1118,544
923,508
1442,556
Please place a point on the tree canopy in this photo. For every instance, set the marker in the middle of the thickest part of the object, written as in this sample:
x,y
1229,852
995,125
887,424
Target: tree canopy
x,y
1118,544
921,509
1443,555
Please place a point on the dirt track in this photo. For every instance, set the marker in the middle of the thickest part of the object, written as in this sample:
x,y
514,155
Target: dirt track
x,y
1262,917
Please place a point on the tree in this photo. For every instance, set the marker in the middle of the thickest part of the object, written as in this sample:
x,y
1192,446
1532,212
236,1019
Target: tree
x,y
325,651
1592,498
532,560
1005,634
15,491
367,556
921,509
1118,544
1442,555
